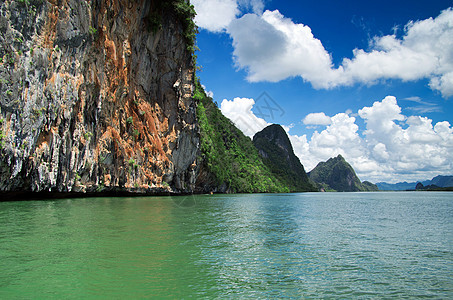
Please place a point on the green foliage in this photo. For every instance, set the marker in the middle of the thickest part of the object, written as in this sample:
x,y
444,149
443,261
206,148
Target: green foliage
x,y
129,120
87,135
183,11
10,59
30,2
228,154
23,2
186,13
132,165
369,187
37,111
154,21
198,95
92,30
100,187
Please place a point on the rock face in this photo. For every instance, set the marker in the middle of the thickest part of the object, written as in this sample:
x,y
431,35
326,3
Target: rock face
x,y
277,152
95,97
337,175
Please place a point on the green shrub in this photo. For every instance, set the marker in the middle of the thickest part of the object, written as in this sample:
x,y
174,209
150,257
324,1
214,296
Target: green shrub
x,y
87,135
30,2
92,30
184,12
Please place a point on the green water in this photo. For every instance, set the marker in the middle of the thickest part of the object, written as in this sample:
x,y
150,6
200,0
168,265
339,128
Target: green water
x,y
315,245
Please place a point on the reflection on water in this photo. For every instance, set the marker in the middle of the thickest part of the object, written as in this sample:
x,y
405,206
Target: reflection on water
x,y
337,245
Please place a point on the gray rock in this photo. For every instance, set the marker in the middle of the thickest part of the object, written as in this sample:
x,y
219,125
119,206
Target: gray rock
x,y
89,100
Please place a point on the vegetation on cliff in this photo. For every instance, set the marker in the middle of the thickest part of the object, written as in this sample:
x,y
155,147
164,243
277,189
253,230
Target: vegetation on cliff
x,y
338,175
185,13
229,155
277,153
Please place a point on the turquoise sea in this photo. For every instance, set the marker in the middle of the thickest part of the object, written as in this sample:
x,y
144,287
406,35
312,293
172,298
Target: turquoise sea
x,y
309,245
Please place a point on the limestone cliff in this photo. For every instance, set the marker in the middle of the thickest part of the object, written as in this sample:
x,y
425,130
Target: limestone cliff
x,y
277,153
96,96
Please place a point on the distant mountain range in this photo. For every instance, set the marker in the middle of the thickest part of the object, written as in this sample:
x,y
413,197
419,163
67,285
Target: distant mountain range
x,y
337,174
440,181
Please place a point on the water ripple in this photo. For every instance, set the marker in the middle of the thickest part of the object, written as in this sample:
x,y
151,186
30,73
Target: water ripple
x,y
339,245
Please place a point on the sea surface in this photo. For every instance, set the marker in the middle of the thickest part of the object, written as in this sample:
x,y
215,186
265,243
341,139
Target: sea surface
x,y
310,245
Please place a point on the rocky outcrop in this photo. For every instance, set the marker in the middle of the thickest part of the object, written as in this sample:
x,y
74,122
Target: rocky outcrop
x,y
95,96
337,174
277,153
229,162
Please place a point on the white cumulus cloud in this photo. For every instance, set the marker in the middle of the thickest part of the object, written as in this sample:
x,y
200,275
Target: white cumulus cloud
x,y
215,15
272,48
257,6
341,134
380,120
239,111
317,119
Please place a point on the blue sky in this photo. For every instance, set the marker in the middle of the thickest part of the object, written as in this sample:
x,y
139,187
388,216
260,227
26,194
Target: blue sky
x,y
372,81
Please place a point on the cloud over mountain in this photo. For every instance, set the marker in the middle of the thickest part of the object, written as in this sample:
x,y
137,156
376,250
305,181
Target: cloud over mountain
x,y
240,112
390,146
